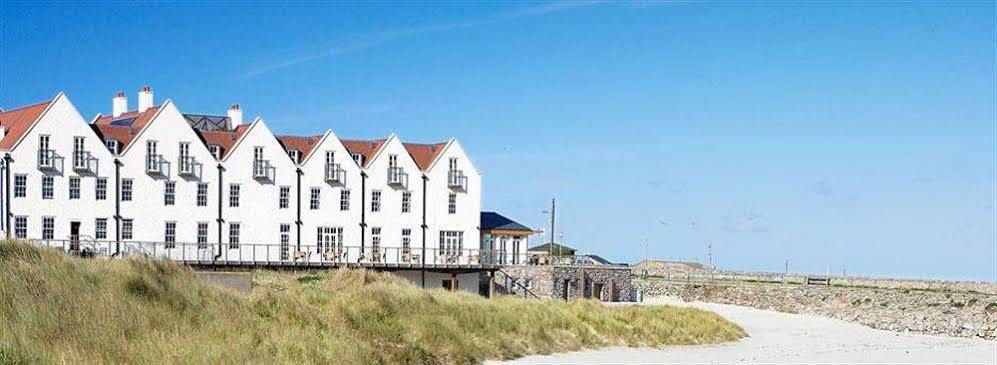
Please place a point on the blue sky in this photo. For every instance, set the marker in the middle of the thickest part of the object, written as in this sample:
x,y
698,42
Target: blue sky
x,y
857,137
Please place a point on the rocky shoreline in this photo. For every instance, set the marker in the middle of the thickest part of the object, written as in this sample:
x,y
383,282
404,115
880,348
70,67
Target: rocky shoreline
x,y
939,312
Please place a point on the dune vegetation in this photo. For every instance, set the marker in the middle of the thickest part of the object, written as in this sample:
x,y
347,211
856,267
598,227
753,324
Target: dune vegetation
x,y
58,309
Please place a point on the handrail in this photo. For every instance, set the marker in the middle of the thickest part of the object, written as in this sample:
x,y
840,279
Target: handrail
x,y
516,282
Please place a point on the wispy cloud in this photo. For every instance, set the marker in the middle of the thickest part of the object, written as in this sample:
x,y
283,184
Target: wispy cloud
x,y
363,42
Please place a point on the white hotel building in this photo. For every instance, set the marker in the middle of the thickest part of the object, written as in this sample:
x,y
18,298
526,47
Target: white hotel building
x,y
219,190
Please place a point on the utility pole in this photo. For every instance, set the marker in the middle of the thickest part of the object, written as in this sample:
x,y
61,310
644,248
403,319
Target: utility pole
x,y
553,210
709,253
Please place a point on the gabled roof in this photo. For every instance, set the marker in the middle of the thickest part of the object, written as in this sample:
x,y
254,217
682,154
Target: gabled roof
x,y
223,139
304,145
367,149
17,122
495,221
559,249
424,154
124,127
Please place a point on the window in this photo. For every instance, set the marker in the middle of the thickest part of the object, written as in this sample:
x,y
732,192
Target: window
x,y
20,186
285,241
202,194
233,195
375,240
315,198
74,187
186,165
170,234
233,236
295,155
112,146
100,189
451,242
330,157
358,158
169,193
21,226
344,200
126,190
330,239
392,161
453,163
406,241
375,201
216,151
406,201
44,154
48,228
151,158
285,197
100,229
126,229
79,160
47,189
202,234
452,206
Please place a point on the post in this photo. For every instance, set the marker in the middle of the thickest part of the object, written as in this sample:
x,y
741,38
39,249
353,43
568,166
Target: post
x,y
491,284
553,211
453,281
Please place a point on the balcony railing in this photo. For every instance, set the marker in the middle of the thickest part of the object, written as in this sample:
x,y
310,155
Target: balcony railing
x,y
46,159
260,254
154,163
84,161
334,174
187,165
457,180
397,176
262,169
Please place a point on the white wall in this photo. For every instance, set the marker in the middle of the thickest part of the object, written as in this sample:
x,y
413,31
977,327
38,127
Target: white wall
x,y
329,213
390,219
468,216
465,282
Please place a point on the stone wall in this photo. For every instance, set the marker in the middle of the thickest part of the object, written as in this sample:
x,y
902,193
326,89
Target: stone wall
x,y
931,311
609,283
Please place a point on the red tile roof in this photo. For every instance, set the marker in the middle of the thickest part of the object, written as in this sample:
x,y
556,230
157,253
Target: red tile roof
x,y
424,154
304,145
223,139
365,148
124,133
16,122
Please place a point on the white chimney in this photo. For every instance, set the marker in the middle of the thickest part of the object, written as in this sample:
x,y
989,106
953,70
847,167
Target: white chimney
x,y
119,105
144,99
235,116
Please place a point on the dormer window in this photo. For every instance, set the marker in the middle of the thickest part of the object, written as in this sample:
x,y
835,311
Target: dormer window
x,y
216,151
295,155
112,146
358,158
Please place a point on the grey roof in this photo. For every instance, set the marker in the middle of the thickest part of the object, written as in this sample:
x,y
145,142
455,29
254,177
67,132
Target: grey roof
x,y
546,247
492,220
203,122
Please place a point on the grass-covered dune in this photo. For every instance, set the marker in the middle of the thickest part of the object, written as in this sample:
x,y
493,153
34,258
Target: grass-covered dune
x,y
54,308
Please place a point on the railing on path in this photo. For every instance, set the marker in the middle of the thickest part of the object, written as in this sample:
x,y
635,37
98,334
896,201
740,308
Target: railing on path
x,y
510,281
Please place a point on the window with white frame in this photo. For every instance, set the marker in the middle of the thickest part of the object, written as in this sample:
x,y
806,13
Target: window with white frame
x,y
48,191
392,160
406,201
233,235
375,201
330,239
151,157
202,234
100,189
406,241
112,146
315,198
100,229
452,203
344,200
216,151
169,192
186,165
21,226
48,228
126,190
233,195
451,242
285,197
126,229
20,186
453,163
295,155
74,187
375,240
170,234
358,158
202,194
285,241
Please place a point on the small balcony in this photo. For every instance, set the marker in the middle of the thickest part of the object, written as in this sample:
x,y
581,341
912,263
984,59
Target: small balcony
x,y
456,180
84,161
397,177
154,163
187,166
46,159
334,174
262,169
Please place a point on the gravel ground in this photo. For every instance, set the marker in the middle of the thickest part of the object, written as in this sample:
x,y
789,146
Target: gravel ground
x,y
791,339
